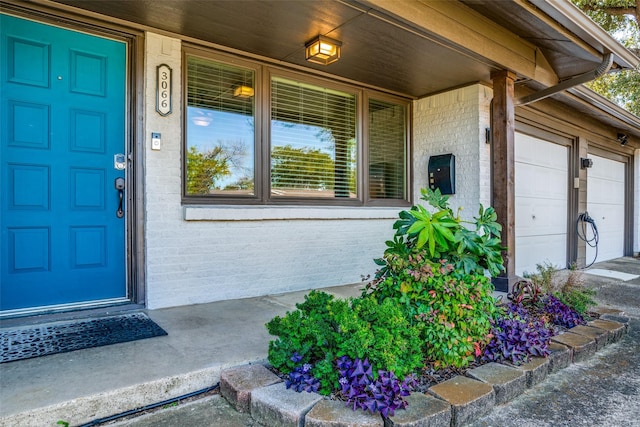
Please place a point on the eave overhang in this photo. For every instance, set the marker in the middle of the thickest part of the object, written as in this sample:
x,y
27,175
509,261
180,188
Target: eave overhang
x,y
409,47
572,18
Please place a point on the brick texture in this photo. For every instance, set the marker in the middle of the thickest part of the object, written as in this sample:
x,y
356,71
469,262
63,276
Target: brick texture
x,y
455,122
200,261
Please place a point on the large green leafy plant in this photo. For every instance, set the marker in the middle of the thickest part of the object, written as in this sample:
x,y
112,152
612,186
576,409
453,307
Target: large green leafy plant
x,y
435,269
445,236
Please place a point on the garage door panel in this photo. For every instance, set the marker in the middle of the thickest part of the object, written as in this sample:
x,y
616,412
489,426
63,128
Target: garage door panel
x,y
606,192
606,169
606,205
540,152
534,250
532,218
609,246
541,191
540,182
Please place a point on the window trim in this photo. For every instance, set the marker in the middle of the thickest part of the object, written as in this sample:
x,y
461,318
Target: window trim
x,y
262,137
325,83
258,126
408,172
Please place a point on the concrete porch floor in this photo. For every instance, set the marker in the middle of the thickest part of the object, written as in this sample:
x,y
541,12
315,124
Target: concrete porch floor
x,y
202,340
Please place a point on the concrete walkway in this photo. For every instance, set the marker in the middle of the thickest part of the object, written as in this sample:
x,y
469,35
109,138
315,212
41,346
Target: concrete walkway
x,y
84,385
203,340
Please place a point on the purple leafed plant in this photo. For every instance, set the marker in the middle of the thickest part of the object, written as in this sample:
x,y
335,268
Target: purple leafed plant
x,y
300,379
516,337
385,394
561,314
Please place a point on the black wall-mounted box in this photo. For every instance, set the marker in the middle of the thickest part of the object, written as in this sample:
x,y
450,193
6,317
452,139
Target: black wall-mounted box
x,y
442,173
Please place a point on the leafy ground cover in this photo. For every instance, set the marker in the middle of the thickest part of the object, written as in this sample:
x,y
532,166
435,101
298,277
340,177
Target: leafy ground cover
x,y
427,315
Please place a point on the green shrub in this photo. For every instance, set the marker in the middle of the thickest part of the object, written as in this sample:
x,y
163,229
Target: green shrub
x,y
305,331
453,310
430,297
458,319
581,300
380,332
324,328
435,269
571,289
544,279
575,294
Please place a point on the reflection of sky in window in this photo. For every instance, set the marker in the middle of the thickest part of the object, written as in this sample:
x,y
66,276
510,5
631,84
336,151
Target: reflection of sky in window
x,y
207,129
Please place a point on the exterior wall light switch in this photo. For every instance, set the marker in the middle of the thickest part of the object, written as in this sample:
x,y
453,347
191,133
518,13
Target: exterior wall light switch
x,y
156,141
576,182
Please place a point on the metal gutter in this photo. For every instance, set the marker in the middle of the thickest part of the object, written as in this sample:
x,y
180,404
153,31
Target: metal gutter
x,y
602,69
572,18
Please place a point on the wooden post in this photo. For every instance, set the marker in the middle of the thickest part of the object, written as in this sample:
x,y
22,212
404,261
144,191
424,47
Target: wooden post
x,y
503,165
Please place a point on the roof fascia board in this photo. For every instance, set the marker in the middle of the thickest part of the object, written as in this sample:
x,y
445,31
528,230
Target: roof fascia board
x,y
458,25
571,17
603,104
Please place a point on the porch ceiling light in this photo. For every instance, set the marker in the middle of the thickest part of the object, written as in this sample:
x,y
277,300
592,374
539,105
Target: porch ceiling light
x,y
322,50
243,92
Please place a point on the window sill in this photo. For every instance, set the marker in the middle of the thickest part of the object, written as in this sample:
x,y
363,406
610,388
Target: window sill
x,y
262,213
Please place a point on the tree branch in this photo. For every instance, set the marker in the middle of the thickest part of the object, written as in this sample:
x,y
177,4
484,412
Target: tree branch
x,y
617,10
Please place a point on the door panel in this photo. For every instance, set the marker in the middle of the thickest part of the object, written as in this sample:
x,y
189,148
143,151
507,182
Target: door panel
x,y
605,204
541,192
63,119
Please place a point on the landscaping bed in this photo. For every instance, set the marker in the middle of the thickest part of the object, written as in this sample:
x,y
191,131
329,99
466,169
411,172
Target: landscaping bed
x,y
426,317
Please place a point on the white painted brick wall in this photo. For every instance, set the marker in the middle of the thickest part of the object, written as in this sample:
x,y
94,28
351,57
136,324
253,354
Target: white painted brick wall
x,y
206,260
213,257
455,122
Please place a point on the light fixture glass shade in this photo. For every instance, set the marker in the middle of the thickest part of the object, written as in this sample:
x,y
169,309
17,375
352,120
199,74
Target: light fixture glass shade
x,y
243,92
322,50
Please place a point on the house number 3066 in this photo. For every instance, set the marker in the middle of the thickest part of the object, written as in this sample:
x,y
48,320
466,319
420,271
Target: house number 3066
x,y
163,91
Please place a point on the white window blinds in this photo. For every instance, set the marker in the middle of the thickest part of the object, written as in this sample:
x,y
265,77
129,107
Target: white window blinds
x,y
387,150
220,129
313,141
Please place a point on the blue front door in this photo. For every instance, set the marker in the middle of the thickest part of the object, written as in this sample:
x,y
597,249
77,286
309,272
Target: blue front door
x,y
62,122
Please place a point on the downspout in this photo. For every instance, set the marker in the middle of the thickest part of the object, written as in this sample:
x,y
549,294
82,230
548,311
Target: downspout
x,y
602,69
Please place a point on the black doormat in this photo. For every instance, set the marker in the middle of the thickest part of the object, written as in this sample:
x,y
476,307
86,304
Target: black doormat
x,y
35,341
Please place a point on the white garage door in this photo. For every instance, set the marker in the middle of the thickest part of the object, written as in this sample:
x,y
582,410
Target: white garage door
x,y
541,188
605,204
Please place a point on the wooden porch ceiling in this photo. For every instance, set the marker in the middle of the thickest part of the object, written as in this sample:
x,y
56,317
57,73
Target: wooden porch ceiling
x,y
409,47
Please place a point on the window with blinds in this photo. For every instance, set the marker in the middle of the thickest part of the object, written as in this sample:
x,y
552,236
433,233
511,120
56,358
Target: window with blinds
x,y
255,134
387,150
220,129
313,141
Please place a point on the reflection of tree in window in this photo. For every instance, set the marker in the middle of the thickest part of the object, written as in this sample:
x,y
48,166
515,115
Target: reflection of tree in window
x,y
220,128
313,144
301,168
205,168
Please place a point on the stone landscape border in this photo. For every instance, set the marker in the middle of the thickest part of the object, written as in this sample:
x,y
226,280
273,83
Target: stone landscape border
x,y
453,403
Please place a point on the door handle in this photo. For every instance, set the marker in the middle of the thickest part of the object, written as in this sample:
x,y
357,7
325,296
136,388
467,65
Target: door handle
x,y
119,184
